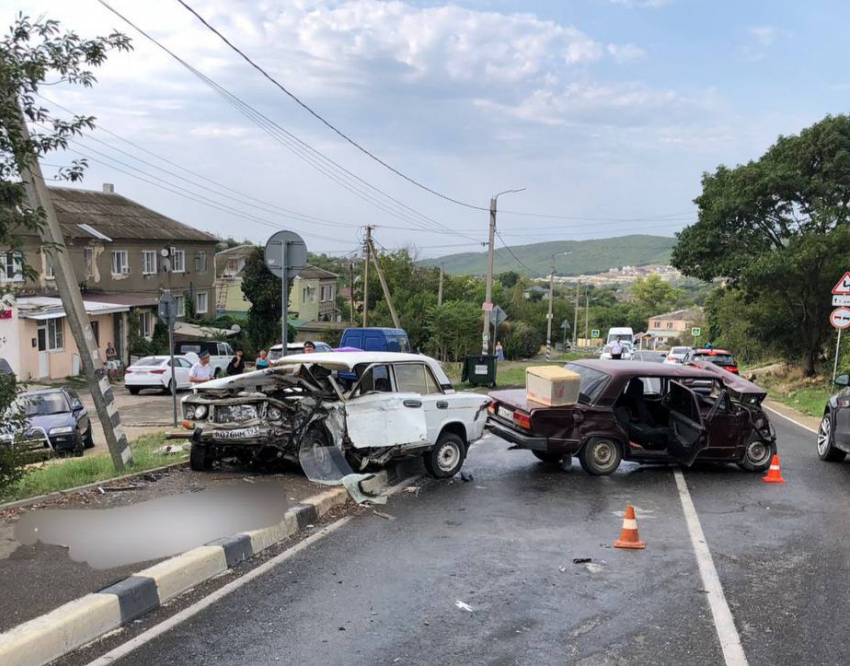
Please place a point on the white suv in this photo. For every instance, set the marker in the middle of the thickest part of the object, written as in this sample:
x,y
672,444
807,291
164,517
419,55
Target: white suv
x,y
221,353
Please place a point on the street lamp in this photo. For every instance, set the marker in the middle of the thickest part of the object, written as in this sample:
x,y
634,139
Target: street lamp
x,y
551,297
488,299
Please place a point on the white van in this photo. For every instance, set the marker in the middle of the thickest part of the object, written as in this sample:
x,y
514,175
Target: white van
x,y
221,353
625,334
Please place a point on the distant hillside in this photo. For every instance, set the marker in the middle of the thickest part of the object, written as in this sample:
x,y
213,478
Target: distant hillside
x,y
590,256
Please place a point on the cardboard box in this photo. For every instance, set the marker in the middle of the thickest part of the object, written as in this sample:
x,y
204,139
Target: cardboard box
x,y
552,385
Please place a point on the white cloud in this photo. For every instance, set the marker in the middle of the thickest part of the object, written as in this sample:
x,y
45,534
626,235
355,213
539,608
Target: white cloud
x,y
762,38
626,52
643,4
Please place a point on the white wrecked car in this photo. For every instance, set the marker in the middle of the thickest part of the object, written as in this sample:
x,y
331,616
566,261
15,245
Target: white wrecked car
x,y
371,406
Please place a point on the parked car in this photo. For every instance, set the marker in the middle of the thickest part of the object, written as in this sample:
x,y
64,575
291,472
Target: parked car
x,y
677,354
394,405
645,412
56,418
719,357
626,355
834,430
296,348
221,353
155,372
5,368
376,339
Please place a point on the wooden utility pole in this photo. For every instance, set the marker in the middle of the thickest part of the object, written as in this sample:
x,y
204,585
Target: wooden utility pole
x,y
549,314
366,278
586,313
575,320
384,286
351,289
75,310
440,290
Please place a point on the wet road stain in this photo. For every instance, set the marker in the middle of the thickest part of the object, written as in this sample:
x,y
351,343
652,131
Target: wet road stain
x,y
106,538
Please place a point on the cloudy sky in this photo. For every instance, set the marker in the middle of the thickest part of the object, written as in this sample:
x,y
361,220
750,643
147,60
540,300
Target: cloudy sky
x,y
607,111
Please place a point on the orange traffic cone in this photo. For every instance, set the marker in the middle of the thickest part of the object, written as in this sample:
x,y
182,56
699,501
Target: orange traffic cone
x,y
629,535
774,474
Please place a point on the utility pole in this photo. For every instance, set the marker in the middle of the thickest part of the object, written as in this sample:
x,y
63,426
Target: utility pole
x,y
440,290
586,313
575,320
549,315
366,278
351,289
384,287
75,311
488,299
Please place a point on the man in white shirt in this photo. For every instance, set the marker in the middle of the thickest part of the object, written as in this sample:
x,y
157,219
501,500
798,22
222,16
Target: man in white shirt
x,y
616,350
202,371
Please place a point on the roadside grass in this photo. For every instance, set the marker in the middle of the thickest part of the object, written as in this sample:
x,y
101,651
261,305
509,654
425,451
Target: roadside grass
x,y
509,374
808,395
65,473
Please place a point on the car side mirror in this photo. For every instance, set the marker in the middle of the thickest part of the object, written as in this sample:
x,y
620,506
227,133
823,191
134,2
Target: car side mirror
x,y
76,406
842,380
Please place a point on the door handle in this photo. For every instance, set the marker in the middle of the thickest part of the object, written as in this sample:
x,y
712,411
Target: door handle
x,y
413,404
442,404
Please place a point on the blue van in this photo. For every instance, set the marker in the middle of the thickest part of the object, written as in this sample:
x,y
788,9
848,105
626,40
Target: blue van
x,y
376,339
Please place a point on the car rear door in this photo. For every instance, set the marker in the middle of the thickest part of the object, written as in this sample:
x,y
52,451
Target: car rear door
x,y
687,430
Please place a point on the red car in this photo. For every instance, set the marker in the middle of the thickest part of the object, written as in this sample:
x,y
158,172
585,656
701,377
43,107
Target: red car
x,y
719,357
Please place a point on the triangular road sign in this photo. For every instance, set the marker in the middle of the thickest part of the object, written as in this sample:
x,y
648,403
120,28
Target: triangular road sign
x,y
843,286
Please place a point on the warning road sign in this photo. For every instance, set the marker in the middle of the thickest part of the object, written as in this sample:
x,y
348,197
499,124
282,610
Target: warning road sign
x,y
840,318
843,285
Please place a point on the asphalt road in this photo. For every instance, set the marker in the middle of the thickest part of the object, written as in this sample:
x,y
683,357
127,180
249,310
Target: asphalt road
x,y
380,591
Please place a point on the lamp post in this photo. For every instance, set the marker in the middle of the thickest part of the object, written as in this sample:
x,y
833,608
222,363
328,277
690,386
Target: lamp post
x,y
551,298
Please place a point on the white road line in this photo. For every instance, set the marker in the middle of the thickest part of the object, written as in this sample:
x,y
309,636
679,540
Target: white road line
x,y
730,641
788,418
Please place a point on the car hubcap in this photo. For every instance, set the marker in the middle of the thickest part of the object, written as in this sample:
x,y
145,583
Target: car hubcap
x,y
758,452
447,457
603,454
823,435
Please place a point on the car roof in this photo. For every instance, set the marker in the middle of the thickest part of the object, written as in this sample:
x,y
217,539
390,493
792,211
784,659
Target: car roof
x,y
351,359
49,391
636,368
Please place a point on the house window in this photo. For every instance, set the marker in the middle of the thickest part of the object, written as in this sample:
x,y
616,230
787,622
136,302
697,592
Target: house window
x,y
148,262
328,293
656,324
120,265
304,294
201,262
181,305
178,261
669,325
11,267
88,262
51,335
201,302
51,269
146,324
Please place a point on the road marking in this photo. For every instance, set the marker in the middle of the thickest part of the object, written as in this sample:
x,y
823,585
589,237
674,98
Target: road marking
x,y
724,623
788,418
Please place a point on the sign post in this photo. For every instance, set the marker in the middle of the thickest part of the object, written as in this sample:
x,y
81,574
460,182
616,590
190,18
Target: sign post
x,y
497,318
168,315
840,319
286,257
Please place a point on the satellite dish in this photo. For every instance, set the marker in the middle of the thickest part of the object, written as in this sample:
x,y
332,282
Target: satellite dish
x,y
236,328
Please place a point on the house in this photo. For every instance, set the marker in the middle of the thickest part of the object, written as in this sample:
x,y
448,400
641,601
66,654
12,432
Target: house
x,y
229,265
119,249
671,325
313,295
535,293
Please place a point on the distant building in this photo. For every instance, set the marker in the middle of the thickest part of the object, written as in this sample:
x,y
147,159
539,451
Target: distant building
x,y
313,295
229,265
670,325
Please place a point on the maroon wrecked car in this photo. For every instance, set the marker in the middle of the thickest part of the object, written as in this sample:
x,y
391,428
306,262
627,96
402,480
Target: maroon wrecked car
x,y
644,412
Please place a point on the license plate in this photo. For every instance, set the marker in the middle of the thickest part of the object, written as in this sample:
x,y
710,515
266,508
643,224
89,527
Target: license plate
x,y
239,433
506,414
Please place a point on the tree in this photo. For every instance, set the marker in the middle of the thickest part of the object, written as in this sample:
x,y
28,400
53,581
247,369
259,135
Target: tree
x,y
777,229
654,295
455,330
523,341
508,279
262,289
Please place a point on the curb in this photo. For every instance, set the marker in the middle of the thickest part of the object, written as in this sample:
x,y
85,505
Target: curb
x,y
55,634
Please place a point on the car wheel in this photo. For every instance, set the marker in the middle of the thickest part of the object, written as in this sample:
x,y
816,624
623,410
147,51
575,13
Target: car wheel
x,y
600,456
88,440
826,447
200,457
446,457
79,446
167,388
134,390
757,455
315,453
551,458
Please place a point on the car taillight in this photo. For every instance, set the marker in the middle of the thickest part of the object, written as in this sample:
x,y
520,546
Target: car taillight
x,y
491,408
522,420
732,368
157,372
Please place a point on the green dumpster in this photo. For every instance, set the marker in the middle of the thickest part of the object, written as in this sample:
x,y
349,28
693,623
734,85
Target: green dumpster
x,y
480,370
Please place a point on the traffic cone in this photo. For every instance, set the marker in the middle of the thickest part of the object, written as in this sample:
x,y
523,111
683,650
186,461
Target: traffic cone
x,y
629,535
774,474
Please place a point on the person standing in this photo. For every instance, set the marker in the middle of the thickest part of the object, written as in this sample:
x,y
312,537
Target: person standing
x,y
616,350
202,371
262,361
237,364
500,352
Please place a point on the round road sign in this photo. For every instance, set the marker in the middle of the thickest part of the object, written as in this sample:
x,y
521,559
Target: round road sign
x,y
296,253
840,318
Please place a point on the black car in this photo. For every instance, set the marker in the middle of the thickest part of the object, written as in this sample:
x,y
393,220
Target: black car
x,y
834,429
60,415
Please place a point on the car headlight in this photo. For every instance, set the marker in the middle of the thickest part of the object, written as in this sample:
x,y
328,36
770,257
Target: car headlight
x,y
275,414
63,430
200,411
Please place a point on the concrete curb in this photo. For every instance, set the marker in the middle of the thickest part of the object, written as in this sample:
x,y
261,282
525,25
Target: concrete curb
x,y
48,637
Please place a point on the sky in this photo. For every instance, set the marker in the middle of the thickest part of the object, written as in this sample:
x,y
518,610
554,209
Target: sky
x,y
608,112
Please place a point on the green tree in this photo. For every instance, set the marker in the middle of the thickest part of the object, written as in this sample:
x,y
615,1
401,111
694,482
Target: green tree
x,y
654,295
777,229
523,341
508,279
455,330
262,289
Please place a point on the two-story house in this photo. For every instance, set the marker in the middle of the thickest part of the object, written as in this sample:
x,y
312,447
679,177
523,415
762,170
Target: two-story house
x,y
671,325
119,250
229,265
313,295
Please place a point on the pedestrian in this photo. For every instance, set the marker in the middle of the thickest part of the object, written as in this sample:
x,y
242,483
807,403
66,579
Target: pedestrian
x,y
237,364
111,354
263,361
500,352
309,347
616,350
202,371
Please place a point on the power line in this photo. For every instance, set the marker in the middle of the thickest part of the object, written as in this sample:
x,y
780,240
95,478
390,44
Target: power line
x,y
518,260
320,118
597,219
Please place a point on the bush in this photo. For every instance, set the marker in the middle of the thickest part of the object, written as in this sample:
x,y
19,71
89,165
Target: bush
x,y
522,342
12,459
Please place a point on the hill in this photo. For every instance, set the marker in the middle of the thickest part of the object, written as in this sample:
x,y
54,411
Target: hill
x,y
588,257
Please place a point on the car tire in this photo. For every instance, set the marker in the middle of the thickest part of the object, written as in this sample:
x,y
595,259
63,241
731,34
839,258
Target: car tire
x,y
134,390
318,440
446,457
88,440
79,447
200,457
167,388
601,456
550,458
826,447
757,455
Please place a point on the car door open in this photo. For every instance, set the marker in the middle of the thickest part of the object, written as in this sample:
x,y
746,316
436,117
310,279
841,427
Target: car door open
x,y
687,430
